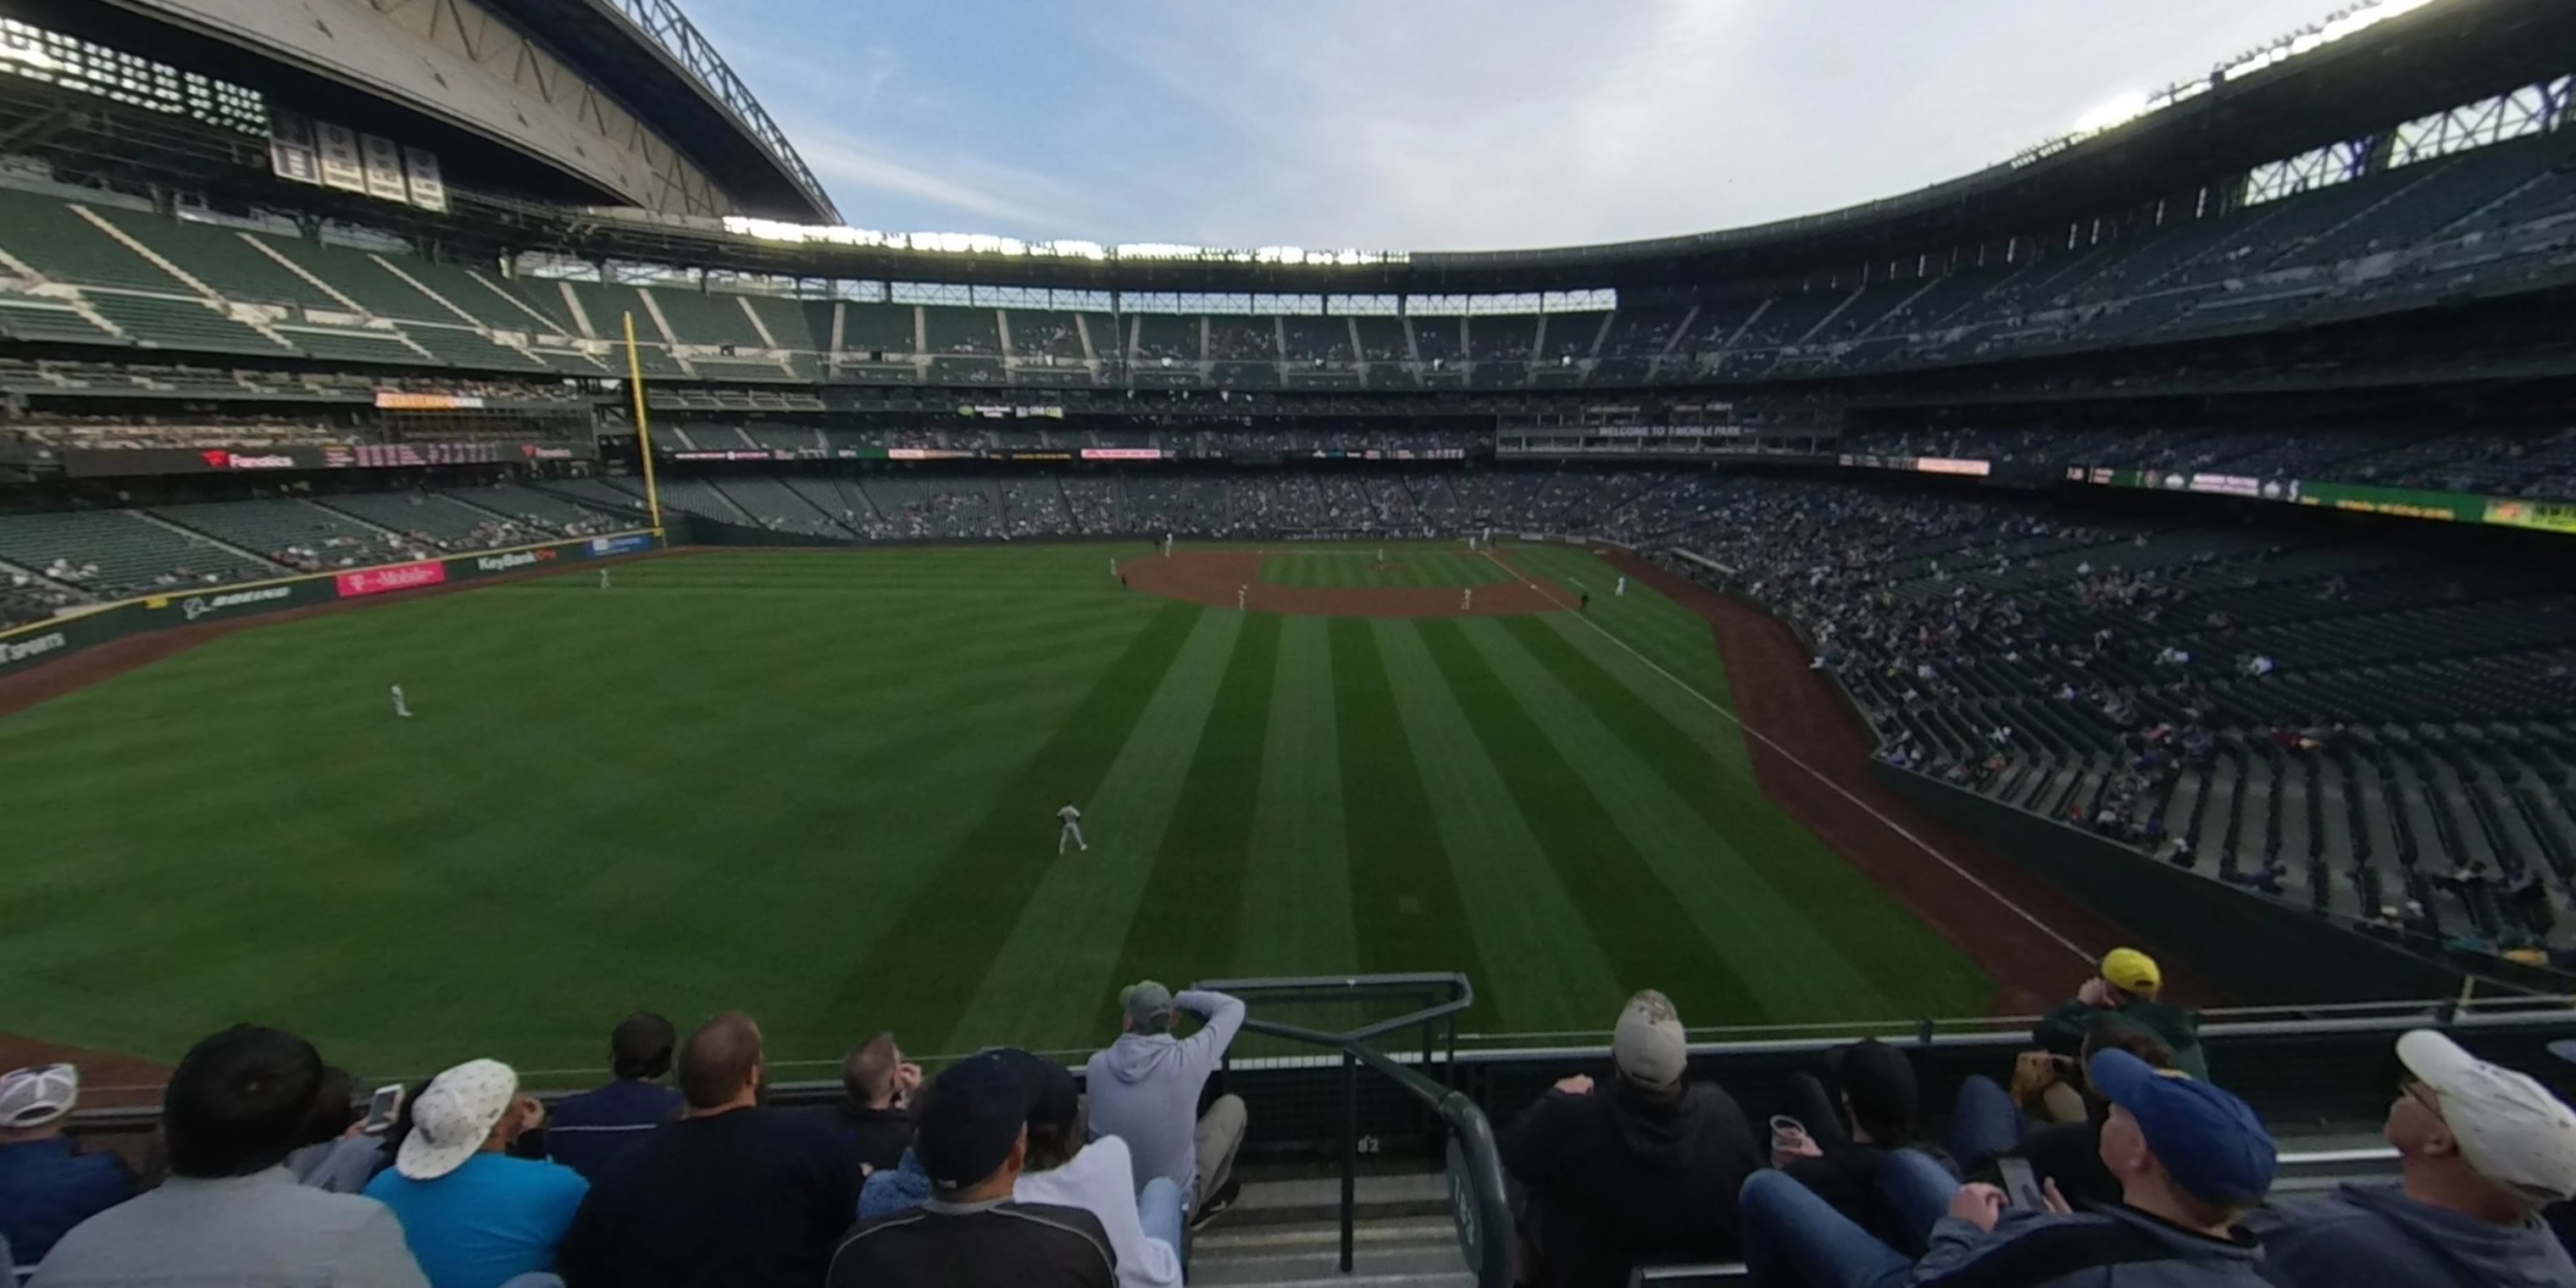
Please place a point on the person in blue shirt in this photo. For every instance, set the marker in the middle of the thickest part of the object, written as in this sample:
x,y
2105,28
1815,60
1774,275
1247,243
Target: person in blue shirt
x,y
474,1216
590,1129
47,1185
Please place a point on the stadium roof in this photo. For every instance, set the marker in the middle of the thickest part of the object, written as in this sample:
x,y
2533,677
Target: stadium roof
x,y
667,72
2414,59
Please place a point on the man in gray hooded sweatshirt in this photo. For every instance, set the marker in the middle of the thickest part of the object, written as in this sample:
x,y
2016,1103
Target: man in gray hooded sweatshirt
x,y
1145,1090
2481,1150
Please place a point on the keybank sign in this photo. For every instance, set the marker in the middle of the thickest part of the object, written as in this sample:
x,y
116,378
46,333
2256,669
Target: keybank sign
x,y
514,559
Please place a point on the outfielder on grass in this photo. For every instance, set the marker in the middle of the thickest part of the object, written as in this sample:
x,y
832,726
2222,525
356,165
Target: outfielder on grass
x,y
1072,833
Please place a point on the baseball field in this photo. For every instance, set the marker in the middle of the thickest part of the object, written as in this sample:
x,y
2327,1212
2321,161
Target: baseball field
x,y
822,787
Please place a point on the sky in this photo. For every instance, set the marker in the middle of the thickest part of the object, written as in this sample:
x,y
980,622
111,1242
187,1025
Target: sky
x,y
1435,124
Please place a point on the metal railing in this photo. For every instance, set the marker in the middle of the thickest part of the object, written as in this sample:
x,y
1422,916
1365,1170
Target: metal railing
x,y
1474,1165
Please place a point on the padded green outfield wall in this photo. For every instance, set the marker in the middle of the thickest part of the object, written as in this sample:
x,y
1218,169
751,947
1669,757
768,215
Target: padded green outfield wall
x,y
27,647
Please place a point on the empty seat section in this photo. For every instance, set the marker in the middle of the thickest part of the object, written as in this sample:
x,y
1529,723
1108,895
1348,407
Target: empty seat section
x,y
220,258
179,324
705,317
46,235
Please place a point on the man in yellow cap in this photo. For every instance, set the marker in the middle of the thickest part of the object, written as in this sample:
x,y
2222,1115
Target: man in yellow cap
x,y
2127,986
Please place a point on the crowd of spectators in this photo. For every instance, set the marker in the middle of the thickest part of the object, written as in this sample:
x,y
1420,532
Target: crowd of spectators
x,y
2536,461
2109,1156
995,1173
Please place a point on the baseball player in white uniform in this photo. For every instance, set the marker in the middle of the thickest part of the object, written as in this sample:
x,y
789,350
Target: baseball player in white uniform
x,y
1622,590
1467,600
401,708
1072,830
1242,594
603,579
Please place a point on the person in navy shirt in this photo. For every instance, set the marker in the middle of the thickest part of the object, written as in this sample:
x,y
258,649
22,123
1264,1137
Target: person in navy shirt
x,y
47,1185
590,1129
474,1216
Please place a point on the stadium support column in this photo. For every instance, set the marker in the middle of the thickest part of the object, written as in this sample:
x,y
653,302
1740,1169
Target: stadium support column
x,y
643,426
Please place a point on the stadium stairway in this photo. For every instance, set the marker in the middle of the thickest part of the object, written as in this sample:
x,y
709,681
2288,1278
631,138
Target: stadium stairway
x,y
1285,1232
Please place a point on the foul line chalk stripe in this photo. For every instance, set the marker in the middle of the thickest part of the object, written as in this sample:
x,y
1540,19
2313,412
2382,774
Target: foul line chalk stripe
x,y
1811,771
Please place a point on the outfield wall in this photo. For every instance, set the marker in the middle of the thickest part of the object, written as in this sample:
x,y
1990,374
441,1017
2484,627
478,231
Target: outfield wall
x,y
26,648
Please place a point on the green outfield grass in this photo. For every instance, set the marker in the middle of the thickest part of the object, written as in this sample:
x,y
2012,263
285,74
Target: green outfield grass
x,y
1411,564
821,787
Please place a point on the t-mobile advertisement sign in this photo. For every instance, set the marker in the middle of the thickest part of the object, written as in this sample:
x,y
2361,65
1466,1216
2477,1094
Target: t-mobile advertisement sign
x,y
376,581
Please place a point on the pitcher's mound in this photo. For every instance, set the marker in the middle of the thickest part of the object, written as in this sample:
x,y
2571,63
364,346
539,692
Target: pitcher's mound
x,y
1213,576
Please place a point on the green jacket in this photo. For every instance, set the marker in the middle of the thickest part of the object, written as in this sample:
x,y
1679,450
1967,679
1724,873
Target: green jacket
x,y
2062,1031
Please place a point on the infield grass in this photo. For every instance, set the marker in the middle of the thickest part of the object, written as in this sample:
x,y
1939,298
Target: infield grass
x,y
821,787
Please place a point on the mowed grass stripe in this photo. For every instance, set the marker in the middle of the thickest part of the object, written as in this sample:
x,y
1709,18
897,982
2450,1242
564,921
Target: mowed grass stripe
x,y
1296,912
1054,966
1669,797
1186,928
982,886
1631,912
1545,964
1405,907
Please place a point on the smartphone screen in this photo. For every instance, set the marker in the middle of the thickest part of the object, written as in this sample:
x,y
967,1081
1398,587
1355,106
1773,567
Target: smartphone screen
x,y
383,1108
2021,1185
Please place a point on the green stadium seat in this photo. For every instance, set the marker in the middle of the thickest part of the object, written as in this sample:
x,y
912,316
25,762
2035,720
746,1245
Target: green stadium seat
x,y
48,236
186,324
219,257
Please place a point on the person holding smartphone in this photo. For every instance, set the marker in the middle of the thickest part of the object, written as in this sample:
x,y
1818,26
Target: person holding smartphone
x,y
2190,1158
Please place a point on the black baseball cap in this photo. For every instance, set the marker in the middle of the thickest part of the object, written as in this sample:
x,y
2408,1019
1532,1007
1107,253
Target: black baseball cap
x,y
973,1114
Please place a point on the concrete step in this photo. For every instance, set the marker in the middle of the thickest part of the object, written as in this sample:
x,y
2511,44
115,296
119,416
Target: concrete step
x,y
1386,1254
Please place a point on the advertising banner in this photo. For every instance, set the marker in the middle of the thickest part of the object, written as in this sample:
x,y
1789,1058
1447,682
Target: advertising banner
x,y
29,646
2450,507
224,602
94,462
376,581
2543,516
1122,453
399,400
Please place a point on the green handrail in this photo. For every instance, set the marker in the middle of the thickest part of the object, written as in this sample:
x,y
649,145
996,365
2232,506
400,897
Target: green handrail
x,y
1477,1202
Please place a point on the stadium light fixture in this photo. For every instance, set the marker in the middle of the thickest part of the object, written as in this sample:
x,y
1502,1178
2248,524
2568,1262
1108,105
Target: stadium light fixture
x,y
2117,111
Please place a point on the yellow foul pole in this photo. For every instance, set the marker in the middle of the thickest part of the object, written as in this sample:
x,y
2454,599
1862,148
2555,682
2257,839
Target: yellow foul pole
x,y
643,427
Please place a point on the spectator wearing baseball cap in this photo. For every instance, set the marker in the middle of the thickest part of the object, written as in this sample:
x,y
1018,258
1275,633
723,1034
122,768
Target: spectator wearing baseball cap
x,y
2190,1159
1100,1178
47,1185
591,1128
474,1216
231,1216
1642,1167
2480,1149
2128,984
732,1192
971,1132
1145,1090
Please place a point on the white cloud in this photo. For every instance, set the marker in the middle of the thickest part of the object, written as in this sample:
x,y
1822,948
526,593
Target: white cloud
x,y
1465,123
852,167
1438,124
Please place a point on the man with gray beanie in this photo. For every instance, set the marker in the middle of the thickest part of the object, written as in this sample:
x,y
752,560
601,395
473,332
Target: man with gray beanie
x,y
1145,1090
1644,1167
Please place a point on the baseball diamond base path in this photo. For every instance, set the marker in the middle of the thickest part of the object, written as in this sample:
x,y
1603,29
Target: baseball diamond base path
x,y
1766,669
1214,577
